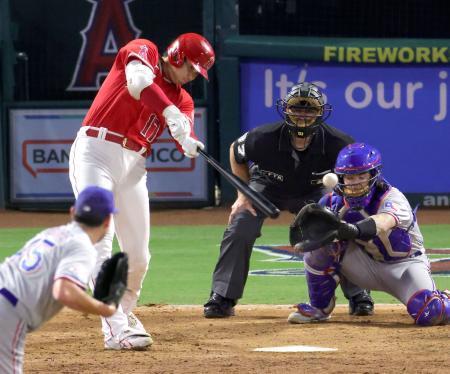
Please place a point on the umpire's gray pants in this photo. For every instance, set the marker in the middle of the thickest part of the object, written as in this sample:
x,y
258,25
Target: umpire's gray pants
x,y
230,274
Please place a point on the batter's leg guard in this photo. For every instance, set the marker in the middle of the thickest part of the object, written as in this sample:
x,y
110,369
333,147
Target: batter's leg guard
x,y
429,308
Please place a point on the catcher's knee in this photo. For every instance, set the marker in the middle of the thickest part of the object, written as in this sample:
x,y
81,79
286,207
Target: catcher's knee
x,y
320,259
429,308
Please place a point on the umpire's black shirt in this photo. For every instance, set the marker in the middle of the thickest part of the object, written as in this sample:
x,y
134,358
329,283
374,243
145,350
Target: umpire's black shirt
x,y
283,174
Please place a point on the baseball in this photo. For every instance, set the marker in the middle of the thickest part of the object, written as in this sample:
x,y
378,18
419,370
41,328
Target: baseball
x,y
330,180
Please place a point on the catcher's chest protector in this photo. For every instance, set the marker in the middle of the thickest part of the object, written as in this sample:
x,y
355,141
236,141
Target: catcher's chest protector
x,y
336,203
398,238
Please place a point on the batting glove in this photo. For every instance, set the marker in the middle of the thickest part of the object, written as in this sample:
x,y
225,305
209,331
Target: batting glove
x,y
190,147
179,124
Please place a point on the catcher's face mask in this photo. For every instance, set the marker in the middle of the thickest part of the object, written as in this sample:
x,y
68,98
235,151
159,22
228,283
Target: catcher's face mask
x,y
303,109
356,185
358,189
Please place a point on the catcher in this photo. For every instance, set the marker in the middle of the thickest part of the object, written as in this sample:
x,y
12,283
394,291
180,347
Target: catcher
x,y
52,270
366,231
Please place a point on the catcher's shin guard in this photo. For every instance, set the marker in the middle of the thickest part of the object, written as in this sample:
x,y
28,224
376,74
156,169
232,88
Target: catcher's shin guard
x,y
321,283
429,308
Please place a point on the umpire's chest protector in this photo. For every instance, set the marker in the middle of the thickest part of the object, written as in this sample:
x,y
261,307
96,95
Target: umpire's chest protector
x,y
282,169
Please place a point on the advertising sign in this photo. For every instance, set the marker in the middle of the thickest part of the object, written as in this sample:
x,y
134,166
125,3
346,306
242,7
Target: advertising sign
x,y
40,141
401,110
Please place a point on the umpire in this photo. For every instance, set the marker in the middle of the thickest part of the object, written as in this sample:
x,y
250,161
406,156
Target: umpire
x,y
285,161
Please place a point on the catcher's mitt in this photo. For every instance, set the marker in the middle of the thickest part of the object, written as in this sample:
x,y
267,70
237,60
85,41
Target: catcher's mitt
x,y
314,227
112,278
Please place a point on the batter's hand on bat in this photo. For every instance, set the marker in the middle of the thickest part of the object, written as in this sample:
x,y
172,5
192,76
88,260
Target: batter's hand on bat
x,y
190,147
241,204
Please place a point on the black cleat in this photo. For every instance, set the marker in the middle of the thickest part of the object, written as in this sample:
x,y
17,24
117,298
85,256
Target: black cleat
x,y
219,307
361,304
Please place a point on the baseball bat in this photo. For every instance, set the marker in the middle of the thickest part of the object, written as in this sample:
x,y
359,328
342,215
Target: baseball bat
x,y
258,200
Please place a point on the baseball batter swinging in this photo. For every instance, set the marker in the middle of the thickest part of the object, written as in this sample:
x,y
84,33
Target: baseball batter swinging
x,y
141,95
380,246
49,272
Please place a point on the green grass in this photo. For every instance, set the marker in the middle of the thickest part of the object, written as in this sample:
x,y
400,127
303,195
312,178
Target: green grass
x,y
183,258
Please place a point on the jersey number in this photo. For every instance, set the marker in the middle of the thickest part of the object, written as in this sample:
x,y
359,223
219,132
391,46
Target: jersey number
x,y
151,128
32,258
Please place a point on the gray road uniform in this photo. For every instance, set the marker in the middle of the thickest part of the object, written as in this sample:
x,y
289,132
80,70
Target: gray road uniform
x,y
394,262
26,283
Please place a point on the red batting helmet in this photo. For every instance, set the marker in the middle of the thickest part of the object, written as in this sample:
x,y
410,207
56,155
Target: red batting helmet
x,y
193,47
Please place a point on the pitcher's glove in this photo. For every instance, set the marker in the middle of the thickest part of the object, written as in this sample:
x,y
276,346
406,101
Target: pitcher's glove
x,y
316,226
111,282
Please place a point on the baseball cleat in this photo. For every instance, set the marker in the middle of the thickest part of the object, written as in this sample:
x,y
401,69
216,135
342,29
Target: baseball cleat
x,y
307,313
131,339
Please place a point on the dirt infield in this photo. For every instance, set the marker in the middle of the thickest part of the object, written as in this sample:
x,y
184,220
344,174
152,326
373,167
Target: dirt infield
x,y
185,342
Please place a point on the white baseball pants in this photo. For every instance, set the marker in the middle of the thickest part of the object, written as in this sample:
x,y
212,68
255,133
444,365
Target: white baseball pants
x,y
94,161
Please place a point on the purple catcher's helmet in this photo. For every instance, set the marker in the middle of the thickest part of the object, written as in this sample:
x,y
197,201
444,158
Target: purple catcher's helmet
x,y
358,158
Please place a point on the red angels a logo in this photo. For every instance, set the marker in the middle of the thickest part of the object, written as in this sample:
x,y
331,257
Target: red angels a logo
x,y
110,26
143,52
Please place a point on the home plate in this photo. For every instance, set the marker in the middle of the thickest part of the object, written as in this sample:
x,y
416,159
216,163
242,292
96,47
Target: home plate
x,y
295,348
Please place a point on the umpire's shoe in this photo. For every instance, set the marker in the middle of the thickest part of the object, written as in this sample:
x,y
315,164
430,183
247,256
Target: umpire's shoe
x,y
219,307
361,304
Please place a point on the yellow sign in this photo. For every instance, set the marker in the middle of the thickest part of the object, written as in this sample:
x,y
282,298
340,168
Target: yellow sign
x,y
386,55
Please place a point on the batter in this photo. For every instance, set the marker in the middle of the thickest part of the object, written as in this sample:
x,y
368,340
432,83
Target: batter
x,y
141,95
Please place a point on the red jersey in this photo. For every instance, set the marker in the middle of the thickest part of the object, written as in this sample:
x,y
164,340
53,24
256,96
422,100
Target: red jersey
x,y
115,109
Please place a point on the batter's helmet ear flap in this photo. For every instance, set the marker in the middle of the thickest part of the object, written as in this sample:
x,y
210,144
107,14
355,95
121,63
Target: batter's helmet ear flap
x,y
196,49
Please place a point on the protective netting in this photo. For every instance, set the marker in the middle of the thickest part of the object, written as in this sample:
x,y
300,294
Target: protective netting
x,y
346,18
51,34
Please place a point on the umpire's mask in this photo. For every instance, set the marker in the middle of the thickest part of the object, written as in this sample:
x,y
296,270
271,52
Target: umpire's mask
x,y
303,109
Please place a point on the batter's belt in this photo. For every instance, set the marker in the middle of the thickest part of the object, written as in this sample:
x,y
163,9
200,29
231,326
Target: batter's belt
x,y
105,134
